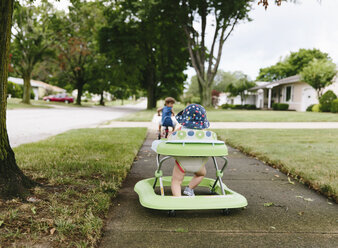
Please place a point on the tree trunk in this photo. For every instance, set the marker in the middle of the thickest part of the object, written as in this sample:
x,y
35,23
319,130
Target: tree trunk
x,y
151,90
206,95
26,88
151,96
79,92
102,99
13,183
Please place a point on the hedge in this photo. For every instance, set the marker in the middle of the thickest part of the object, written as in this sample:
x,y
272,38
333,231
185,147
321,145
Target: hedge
x,y
280,106
334,106
326,100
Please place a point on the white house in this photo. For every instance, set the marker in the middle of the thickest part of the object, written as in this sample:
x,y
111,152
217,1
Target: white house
x,y
39,88
291,90
250,97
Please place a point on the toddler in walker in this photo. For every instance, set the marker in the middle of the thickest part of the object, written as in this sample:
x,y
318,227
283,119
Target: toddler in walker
x,y
192,119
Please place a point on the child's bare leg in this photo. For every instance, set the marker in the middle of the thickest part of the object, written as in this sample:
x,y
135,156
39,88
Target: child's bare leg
x,y
159,128
176,181
198,177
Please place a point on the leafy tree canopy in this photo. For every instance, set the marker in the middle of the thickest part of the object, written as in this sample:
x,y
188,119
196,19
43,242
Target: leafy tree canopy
x,y
31,42
319,73
291,65
142,36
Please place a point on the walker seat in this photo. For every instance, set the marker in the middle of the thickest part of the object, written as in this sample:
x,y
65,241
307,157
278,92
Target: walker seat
x,y
202,144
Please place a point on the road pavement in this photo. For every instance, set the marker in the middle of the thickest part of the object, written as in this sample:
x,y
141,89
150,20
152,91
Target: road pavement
x,y
30,125
294,216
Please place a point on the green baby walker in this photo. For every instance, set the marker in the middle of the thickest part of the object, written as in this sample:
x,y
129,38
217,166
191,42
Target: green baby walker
x,y
188,143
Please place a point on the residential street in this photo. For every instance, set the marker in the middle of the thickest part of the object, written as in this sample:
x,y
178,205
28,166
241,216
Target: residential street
x,y
30,125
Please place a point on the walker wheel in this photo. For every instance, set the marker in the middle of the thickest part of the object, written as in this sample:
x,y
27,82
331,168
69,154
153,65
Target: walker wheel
x,y
226,211
171,213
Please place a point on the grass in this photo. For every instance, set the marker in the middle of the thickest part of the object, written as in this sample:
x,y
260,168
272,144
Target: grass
x,y
118,102
80,171
15,103
309,155
147,115
269,116
220,115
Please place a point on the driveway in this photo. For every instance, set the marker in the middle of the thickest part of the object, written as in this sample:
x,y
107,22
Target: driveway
x,y
30,125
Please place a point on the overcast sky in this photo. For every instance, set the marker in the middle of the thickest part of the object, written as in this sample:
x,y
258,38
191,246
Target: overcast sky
x,y
277,31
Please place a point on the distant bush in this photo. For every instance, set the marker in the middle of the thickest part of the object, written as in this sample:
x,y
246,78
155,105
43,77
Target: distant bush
x,y
334,106
316,108
191,99
227,106
32,95
250,106
280,106
326,101
238,106
309,109
15,90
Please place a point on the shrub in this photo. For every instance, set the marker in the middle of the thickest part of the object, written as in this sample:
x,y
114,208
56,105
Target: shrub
x,y
227,106
238,106
316,108
326,100
32,95
250,106
280,106
334,106
309,109
275,106
15,90
283,106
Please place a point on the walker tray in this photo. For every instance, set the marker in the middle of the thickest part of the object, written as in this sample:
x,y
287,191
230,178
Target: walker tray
x,y
190,148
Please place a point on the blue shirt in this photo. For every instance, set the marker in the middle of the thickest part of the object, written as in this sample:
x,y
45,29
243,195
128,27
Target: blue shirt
x,y
166,116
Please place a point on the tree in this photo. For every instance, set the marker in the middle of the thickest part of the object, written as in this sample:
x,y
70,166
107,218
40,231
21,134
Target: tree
x,y
223,79
319,73
151,44
12,180
225,14
75,40
240,86
31,42
291,65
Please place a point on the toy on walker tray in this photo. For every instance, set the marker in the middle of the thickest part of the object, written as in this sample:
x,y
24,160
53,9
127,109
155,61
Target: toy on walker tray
x,y
191,148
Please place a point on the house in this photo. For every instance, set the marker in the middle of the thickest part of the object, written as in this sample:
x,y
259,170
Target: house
x,y
39,88
250,97
291,90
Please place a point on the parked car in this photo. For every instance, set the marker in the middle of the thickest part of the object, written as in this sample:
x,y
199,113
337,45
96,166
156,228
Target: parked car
x,y
59,98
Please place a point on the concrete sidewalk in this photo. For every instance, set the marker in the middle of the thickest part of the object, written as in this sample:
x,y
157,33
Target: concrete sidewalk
x,y
299,217
235,125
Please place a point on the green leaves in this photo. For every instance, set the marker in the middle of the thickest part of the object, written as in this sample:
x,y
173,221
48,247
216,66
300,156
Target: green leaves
x,y
319,74
291,65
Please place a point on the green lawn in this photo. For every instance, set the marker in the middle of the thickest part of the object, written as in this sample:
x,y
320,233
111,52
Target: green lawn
x,y
244,116
310,155
269,116
147,115
80,171
15,103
